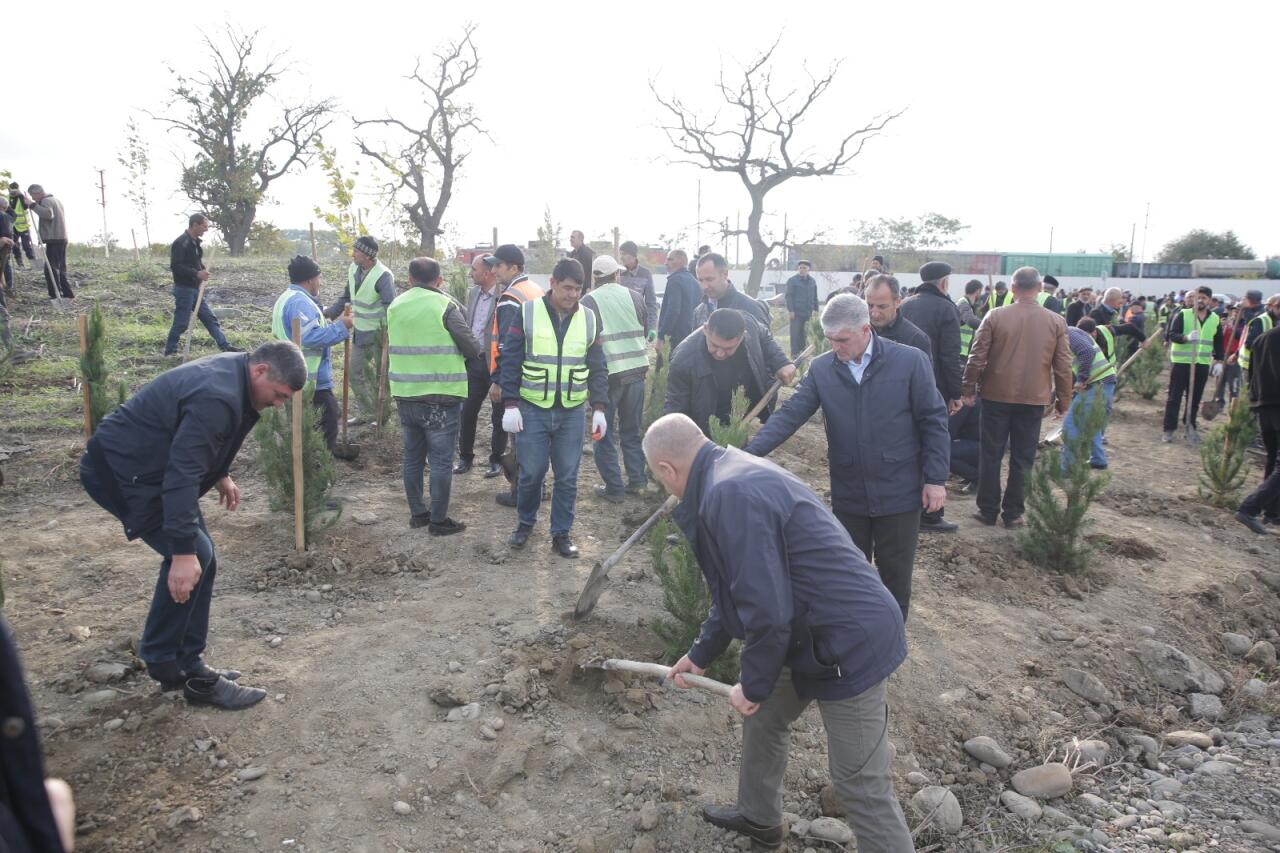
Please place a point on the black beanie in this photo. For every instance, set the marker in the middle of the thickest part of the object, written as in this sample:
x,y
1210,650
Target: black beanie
x,y
302,268
368,245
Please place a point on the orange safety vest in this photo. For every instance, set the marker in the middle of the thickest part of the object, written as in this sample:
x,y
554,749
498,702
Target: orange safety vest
x,y
521,291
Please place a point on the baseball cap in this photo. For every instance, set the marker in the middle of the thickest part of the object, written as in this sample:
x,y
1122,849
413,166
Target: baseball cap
x,y
604,265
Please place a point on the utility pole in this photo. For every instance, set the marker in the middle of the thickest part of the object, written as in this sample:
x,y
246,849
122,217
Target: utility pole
x,y
1146,220
698,227
617,234
1133,235
737,240
106,239
495,237
1051,239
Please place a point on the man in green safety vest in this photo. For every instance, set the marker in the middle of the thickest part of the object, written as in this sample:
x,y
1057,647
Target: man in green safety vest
x,y
623,332
1255,327
1094,374
550,364
999,298
302,301
18,204
429,343
1046,298
370,289
969,320
1195,351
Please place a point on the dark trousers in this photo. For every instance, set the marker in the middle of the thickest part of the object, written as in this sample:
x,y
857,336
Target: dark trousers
x,y
478,382
6,268
889,541
1179,379
1266,498
1015,426
964,458
327,408
22,243
55,271
799,331
184,302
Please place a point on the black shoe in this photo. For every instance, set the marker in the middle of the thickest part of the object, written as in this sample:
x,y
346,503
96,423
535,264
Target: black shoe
x,y
505,499
611,497
1271,519
564,546
939,525
1016,521
966,487
229,348
988,520
221,693
634,489
1098,466
520,535
446,527
1251,522
416,521
728,817
203,670
346,452
494,470
462,466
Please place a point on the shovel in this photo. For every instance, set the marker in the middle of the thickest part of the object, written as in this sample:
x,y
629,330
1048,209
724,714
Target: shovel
x,y
659,671
1056,433
600,573
1209,408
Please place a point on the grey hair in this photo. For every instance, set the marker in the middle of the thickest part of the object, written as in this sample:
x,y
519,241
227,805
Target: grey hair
x,y
285,362
672,438
35,188
1026,278
4,202
1112,291
845,311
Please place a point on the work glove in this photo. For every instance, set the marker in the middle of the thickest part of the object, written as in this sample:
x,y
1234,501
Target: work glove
x,y
599,425
1216,370
1192,337
511,420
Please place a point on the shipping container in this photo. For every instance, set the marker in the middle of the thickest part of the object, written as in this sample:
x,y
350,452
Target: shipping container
x,y
1085,266
1222,268
1127,270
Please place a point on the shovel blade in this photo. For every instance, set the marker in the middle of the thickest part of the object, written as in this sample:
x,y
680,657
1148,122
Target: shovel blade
x,y
1209,409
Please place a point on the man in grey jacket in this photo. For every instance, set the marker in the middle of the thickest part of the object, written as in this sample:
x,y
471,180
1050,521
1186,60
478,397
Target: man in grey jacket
x,y
482,301
53,233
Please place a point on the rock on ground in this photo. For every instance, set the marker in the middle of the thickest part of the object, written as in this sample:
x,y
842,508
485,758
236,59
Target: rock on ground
x,y
1046,782
1085,685
1263,654
1178,671
1024,807
1205,706
986,749
830,829
1236,645
942,804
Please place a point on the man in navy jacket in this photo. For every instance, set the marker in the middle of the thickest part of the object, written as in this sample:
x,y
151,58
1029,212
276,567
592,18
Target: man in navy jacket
x,y
815,624
888,446
150,462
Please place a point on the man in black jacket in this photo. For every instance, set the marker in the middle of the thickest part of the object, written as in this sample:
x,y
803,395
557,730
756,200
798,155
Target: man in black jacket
x,y
729,352
680,297
815,622
1264,399
719,292
884,298
1192,360
802,303
186,262
150,462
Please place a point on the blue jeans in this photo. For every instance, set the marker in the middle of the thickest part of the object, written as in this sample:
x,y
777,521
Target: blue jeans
x,y
551,436
1097,453
429,430
184,301
626,403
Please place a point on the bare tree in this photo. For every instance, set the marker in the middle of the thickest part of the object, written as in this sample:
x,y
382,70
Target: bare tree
x,y
229,176
758,143
136,159
434,146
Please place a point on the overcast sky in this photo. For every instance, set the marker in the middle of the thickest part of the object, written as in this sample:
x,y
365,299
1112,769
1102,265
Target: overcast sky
x,y
1019,116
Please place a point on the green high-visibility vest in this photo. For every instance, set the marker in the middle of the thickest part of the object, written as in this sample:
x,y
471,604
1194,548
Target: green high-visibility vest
x,y
551,368
1102,367
313,355
1200,352
367,310
20,222
621,335
993,302
1110,338
1245,355
966,339
422,357
1042,297
1162,316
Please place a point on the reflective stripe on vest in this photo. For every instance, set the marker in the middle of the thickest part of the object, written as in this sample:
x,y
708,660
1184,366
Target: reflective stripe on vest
x,y
20,223
521,291
1102,367
966,338
1111,343
1005,300
367,309
621,335
550,368
1200,352
1245,355
313,355
1041,298
422,357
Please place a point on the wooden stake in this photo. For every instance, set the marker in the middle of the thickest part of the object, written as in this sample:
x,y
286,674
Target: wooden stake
x,y
299,513
382,376
313,240
134,236
84,386
346,373
195,317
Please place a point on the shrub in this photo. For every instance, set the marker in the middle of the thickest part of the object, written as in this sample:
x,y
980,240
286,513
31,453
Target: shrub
x,y
93,372
1059,491
1223,456
686,597
274,433
366,393
1144,377
736,431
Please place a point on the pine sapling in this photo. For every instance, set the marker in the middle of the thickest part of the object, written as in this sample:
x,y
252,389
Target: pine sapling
x,y
736,431
685,596
657,393
1223,456
1060,489
370,370
1124,349
1145,374
274,433
93,371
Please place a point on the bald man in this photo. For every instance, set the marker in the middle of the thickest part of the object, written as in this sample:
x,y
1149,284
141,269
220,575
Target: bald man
x,y
815,621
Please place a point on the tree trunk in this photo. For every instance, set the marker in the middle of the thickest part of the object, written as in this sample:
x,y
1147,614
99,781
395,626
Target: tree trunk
x,y
759,248
427,242
236,231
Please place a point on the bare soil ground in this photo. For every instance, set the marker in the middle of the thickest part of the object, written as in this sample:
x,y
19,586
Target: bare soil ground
x,y
385,628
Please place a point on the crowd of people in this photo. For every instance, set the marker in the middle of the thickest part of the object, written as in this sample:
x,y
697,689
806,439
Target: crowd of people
x,y
917,388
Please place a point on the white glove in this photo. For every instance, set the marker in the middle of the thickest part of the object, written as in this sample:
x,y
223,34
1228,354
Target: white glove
x,y
1192,337
511,420
599,425
1215,371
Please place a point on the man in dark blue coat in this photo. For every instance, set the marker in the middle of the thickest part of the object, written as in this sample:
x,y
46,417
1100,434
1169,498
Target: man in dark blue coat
x,y
887,441
150,462
814,621
680,297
